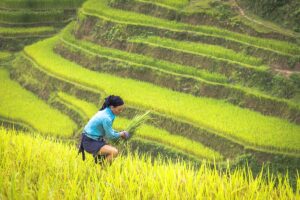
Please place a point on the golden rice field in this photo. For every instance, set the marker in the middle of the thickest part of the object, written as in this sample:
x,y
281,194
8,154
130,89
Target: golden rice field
x,y
239,141
63,175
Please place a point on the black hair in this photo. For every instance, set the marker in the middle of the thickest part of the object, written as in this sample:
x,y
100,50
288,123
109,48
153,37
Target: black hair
x,y
112,100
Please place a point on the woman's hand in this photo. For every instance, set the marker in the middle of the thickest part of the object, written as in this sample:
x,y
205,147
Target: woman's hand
x,y
124,134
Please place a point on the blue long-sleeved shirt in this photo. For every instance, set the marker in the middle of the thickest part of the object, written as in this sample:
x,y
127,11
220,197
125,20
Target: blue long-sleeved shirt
x,y
100,125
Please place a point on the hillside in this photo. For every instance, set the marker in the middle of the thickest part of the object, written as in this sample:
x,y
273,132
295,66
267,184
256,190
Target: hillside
x,y
222,84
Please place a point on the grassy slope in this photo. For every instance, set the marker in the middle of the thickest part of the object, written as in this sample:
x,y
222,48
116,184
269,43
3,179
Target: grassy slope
x,y
18,104
230,121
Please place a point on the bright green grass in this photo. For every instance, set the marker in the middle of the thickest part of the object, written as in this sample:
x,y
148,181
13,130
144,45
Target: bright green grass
x,y
137,59
6,31
18,104
39,168
101,8
149,132
239,124
201,48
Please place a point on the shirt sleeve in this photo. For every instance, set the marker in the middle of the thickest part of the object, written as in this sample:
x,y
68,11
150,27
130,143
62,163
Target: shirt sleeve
x,y
109,131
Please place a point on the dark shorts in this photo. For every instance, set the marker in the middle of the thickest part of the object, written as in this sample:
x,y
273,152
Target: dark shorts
x,y
92,146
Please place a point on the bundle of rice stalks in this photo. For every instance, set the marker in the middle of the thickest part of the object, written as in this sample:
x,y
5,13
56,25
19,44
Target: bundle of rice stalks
x,y
137,121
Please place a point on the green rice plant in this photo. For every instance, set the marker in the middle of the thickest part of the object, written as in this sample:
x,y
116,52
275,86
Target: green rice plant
x,y
203,49
137,121
101,9
28,170
240,125
17,104
32,31
137,59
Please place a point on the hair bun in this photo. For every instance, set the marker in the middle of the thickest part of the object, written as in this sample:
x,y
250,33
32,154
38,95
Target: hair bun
x,y
112,100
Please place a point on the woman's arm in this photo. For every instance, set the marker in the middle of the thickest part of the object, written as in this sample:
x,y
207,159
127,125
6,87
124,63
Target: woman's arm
x,y
109,131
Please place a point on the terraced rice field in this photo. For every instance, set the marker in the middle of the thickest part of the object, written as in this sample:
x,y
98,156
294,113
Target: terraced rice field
x,y
161,100
217,94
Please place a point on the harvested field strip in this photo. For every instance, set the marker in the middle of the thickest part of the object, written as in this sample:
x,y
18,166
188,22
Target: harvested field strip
x,y
151,133
201,48
230,121
17,104
101,8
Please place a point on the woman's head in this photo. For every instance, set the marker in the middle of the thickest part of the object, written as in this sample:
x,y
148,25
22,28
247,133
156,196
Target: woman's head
x,y
115,103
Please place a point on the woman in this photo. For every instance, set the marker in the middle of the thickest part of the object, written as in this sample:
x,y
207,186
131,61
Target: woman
x,y
100,126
